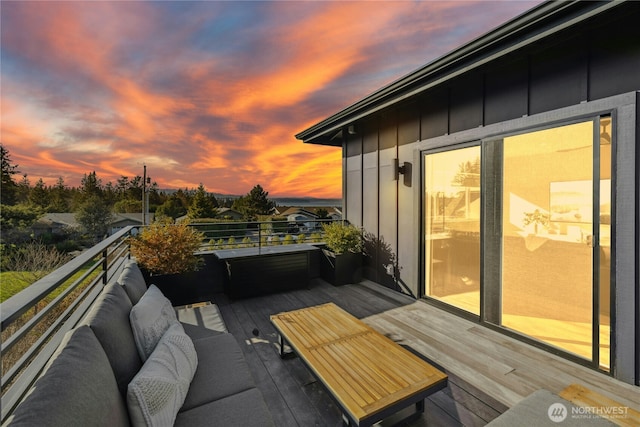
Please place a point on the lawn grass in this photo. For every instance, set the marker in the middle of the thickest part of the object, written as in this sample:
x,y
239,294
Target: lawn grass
x,y
11,282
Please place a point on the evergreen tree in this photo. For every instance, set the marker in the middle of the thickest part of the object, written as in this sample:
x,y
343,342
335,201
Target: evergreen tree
x,y
122,185
156,198
18,216
59,197
258,199
468,174
322,213
24,189
90,185
183,196
172,208
203,204
255,203
134,190
241,204
9,188
109,194
39,195
95,216
128,206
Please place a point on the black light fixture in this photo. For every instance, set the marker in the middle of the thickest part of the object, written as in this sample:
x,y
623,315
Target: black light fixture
x,y
398,169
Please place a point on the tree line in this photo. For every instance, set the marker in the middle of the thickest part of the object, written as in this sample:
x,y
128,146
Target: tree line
x,y
94,202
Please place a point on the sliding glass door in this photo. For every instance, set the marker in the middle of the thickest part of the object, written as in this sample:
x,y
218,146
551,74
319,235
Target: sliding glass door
x,y
544,243
549,234
452,238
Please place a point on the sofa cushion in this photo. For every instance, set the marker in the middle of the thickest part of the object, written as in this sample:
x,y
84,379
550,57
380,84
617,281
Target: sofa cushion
x,y
246,409
206,321
109,321
157,392
150,318
198,332
222,371
133,281
77,388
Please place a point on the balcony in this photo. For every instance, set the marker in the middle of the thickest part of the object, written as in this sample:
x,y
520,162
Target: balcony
x,y
488,371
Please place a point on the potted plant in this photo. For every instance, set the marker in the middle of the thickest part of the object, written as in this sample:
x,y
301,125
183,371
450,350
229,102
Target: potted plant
x,y
537,218
342,261
165,253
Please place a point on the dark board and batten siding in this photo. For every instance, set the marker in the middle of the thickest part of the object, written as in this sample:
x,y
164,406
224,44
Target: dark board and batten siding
x,y
593,60
587,67
577,65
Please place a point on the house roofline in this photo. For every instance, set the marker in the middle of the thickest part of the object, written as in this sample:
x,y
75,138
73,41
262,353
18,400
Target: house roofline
x,y
537,23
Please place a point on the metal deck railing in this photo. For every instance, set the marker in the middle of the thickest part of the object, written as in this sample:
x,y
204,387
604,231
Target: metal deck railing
x,y
35,320
257,234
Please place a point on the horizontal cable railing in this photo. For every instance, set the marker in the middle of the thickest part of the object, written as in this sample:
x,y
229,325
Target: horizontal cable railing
x,y
259,234
35,320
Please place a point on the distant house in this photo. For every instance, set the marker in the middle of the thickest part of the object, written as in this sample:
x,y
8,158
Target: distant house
x,y
55,223
312,212
122,220
335,214
228,213
299,212
503,179
223,214
308,217
277,210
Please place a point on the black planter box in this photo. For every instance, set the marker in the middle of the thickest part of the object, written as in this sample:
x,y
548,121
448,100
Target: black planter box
x,y
341,269
274,269
182,288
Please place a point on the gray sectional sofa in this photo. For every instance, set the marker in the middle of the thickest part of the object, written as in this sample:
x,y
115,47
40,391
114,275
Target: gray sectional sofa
x,y
194,374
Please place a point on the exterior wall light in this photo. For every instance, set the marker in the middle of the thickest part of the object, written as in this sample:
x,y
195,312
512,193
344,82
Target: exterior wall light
x,y
398,169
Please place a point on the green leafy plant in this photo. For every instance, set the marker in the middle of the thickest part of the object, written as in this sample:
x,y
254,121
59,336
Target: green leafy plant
x,y
288,240
341,237
536,218
247,242
165,248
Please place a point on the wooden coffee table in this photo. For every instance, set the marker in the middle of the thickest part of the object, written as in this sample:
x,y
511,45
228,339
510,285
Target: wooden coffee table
x,y
369,376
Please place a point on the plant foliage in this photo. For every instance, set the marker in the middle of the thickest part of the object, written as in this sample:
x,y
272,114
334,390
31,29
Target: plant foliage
x,y
536,217
165,248
341,237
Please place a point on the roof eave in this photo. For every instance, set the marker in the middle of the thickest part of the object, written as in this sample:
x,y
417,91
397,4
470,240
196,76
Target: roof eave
x,y
475,52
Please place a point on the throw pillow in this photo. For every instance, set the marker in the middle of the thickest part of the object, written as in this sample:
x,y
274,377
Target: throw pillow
x,y
157,392
150,318
133,282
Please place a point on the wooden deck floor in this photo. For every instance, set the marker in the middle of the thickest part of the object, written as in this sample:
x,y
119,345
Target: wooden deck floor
x,y
488,372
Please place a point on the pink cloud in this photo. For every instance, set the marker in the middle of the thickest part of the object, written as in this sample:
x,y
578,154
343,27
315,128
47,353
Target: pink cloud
x,y
200,95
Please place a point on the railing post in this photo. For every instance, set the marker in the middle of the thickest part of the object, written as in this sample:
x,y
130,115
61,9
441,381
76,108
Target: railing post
x,y
105,267
259,238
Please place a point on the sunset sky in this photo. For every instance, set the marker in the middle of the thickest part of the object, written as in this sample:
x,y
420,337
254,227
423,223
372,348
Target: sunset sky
x,y
208,92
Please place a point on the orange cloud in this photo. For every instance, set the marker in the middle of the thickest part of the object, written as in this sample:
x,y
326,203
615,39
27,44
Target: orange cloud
x,y
205,92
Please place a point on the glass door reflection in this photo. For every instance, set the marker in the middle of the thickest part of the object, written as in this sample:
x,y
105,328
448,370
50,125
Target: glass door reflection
x,y
452,227
550,233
